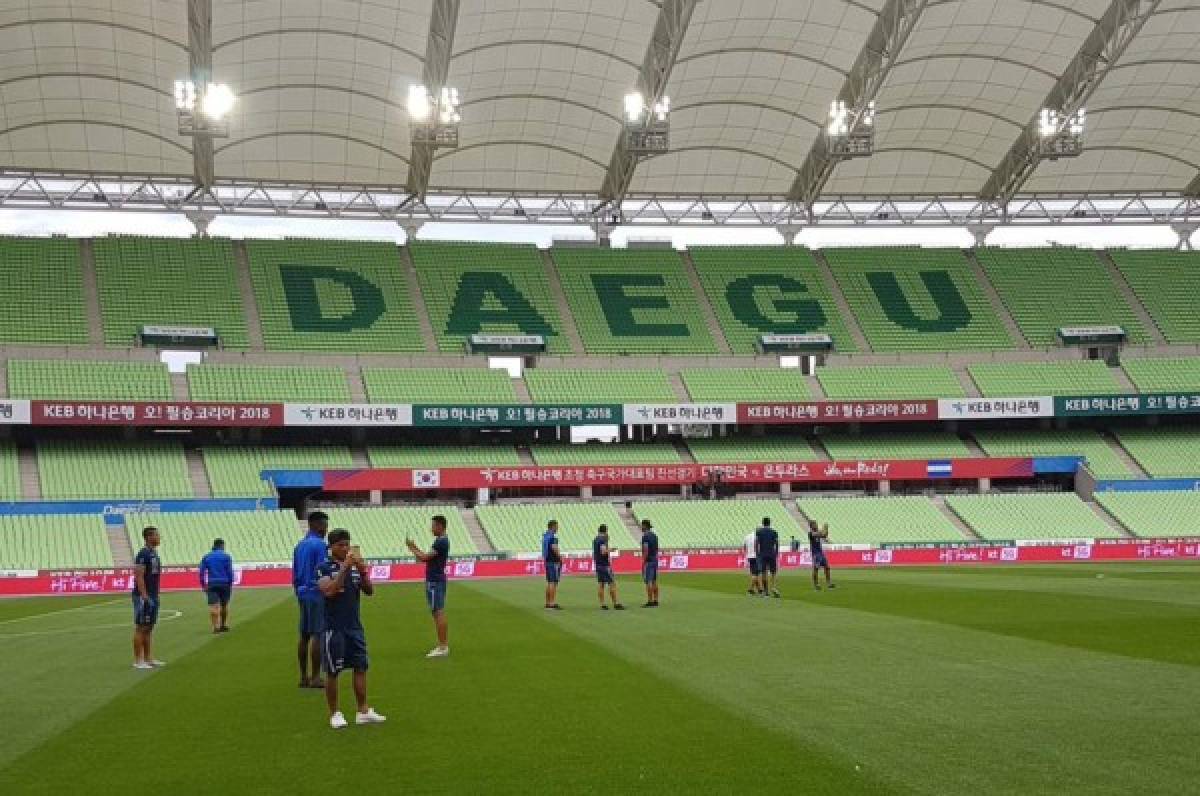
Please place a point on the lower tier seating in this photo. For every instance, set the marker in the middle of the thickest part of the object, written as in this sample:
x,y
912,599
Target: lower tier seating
x,y
707,523
54,541
1102,460
519,527
878,520
1164,452
1160,515
250,536
1060,515
775,448
381,532
443,456
603,455
899,445
234,471
72,470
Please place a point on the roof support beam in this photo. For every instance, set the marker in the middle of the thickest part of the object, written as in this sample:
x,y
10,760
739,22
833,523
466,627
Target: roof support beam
x,y
1193,188
199,25
673,19
1099,53
439,47
880,53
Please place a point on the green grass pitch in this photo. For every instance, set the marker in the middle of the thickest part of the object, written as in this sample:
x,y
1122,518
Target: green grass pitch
x,y
1021,680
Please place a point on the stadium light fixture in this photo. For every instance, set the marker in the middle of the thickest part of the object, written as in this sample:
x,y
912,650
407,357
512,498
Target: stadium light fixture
x,y
647,127
434,116
850,132
635,103
1060,136
214,102
218,101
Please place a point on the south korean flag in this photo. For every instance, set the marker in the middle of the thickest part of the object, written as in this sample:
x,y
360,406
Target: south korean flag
x,y
426,479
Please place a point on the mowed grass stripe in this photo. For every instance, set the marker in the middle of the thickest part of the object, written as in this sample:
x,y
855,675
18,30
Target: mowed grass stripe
x,y
521,706
933,706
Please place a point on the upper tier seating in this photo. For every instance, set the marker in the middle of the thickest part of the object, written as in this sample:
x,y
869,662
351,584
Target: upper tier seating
x,y
440,455
599,454
168,282
381,531
1167,283
1058,515
518,528
250,383
599,386
911,299
234,471
746,384
876,520
1049,288
332,296
775,448
41,290
1167,374
85,380
1155,515
74,470
898,445
896,382
487,288
438,386
10,473
1069,377
633,302
1102,460
1165,452
251,537
54,541
759,290
714,523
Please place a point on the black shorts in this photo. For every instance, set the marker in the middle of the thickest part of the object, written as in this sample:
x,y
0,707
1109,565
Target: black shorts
x,y
604,574
819,560
753,564
145,611
219,595
768,564
341,650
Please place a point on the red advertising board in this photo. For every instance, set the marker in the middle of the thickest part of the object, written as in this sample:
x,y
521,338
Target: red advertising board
x,y
407,480
116,581
838,411
154,413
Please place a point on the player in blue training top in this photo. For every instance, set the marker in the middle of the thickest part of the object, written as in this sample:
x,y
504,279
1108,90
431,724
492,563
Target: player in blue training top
x,y
307,556
816,544
601,557
552,559
216,578
766,552
650,564
435,581
147,571
342,578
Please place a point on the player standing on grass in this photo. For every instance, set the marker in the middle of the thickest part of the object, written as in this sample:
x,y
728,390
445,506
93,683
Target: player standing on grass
x,y
147,571
749,544
766,550
435,581
650,564
604,574
341,579
816,544
552,558
216,578
308,555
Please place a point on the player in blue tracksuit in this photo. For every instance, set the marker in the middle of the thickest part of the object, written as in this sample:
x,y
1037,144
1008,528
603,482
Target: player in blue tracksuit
x,y
308,555
650,564
341,579
147,571
552,560
766,553
601,557
216,579
435,581
816,545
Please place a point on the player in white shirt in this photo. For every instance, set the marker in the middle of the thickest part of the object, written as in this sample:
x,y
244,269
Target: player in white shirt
x,y
752,562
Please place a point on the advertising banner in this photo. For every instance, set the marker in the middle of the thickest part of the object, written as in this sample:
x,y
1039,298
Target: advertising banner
x,y
1136,404
674,414
347,414
515,415
988,408
154,413
838,411
14,413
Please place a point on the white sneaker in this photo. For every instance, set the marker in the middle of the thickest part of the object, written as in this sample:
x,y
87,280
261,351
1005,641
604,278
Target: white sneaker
x,y
438,652
143,665
156,664
337,721
369,716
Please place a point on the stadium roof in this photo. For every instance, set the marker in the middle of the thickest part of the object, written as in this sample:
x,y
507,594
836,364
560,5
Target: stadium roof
x,y
86,90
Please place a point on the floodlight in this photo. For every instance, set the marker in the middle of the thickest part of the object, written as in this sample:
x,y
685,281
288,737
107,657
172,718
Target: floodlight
x,y
218,100
420,106
448,106
1076,123
1060,136
662,108
185,95
635,103
1047,122
647,127
213,104
434,115
838,118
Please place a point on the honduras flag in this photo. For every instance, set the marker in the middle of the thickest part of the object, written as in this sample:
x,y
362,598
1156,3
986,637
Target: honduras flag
x,y
941,468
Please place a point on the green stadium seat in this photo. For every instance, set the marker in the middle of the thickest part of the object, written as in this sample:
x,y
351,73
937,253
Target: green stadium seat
x,y
599,386
85,380
1166,374
759,290
300,384
911,299
438,386
880,520
41,290
75,470
439,455
898,445
518,528
10,474
168,282
1048,288
1164,452
745,384
596,454
684,524
895,382
633,302
1014,517
487,288
381,531
234,471
326,295
54,541
775,448
1102,460
1154,515
251,537
1167,283
1071,377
